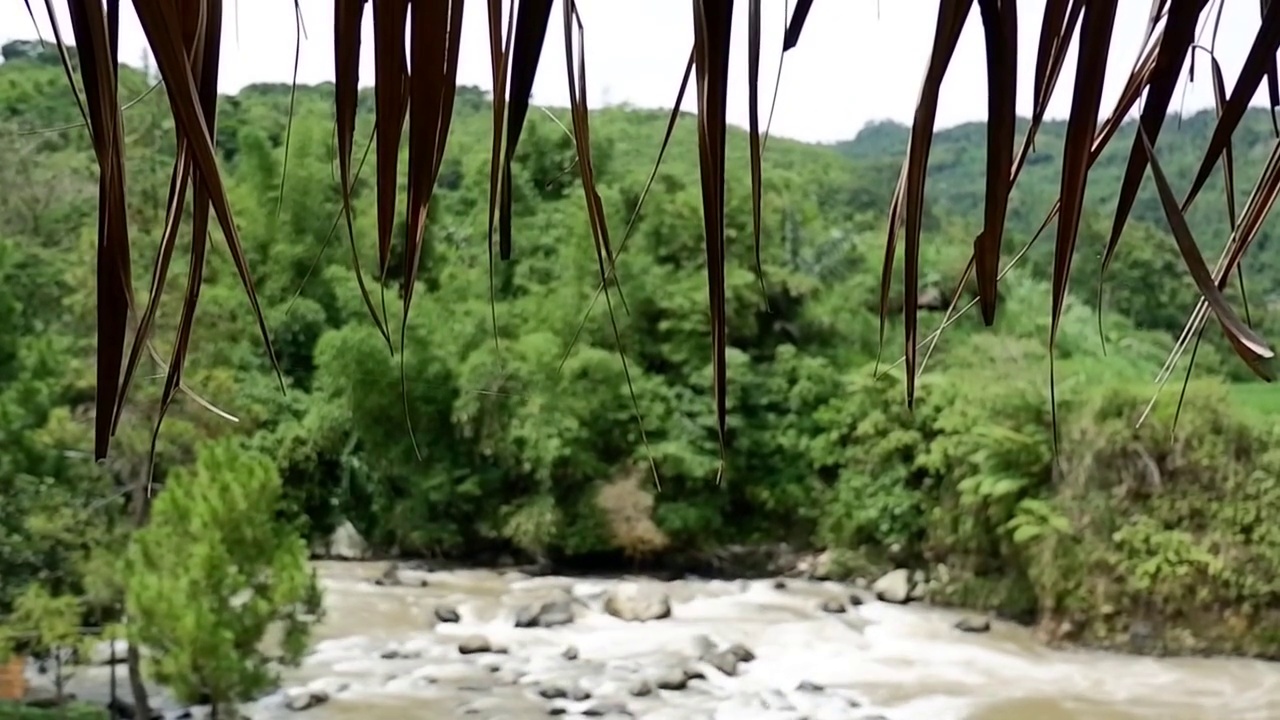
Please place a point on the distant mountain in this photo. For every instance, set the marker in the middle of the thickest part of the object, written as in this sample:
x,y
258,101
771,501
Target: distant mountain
x,y
957,169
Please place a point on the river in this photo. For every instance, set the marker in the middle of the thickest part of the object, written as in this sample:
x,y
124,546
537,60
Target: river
x,y
381,654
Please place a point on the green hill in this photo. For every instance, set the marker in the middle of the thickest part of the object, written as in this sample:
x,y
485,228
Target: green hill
x,y
526,442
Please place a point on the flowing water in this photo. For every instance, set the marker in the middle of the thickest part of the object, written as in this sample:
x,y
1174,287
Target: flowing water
x,y
382,655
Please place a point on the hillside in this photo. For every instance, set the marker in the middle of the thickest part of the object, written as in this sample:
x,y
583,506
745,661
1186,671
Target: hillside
x,y
957,159
493,432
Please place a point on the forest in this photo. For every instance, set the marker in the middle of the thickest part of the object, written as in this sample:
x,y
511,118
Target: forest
x,y
520,412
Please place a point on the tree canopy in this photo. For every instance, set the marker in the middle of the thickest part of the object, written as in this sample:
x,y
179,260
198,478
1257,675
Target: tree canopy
x,y
185,41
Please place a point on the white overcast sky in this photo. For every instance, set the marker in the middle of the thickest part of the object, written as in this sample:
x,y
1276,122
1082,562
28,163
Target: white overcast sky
x,y
858,61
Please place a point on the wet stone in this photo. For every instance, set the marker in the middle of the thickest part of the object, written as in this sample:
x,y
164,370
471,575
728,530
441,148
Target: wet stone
x,y
811,687
473,644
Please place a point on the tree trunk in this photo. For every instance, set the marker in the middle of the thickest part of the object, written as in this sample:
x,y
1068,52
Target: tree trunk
x,y
141,704
140,506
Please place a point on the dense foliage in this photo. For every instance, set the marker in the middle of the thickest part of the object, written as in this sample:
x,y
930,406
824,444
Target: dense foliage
x,y
525,435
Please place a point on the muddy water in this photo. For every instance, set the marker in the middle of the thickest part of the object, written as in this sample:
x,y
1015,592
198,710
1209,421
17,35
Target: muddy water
x,y
381,655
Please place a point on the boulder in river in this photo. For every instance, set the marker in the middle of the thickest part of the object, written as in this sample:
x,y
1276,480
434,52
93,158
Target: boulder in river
x,y
447,614
552,692
727,659
740,651
390,576
473,644
548,614
636,602
673,679
305,699
724,661
809,687
640,688
832,606
894,586
973,624
346,543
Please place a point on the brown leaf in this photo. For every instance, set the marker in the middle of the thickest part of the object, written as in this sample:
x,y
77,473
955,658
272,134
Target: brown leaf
x,y
1000,23
1248,345
1261,56
201,40
1173,48
162,22
605,258
391,77
796,26
114,272
530,30
712,27
500,59
348,17
1095,39
753,120
672,118
951,19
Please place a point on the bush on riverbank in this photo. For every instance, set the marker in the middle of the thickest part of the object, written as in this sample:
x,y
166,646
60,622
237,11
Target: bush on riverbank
x,y
12,710
1152,539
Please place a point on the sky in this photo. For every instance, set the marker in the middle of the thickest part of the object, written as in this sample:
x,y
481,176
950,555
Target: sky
x,y
858,61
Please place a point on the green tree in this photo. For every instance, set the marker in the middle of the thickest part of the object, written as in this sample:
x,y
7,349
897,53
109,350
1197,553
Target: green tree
x,y
43,625
213,572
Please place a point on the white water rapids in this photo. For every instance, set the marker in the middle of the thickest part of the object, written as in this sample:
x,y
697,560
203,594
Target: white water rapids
x,y
902,663
382,655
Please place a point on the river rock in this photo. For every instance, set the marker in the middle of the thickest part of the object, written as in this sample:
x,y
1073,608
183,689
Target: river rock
x,y
809,687
973,625
637,602
447,614
724,661
548,614
607,708
305,699
675,679
570,653
832,606
390,577
741,652
473,644
346,543
640,688
894,586
552,692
